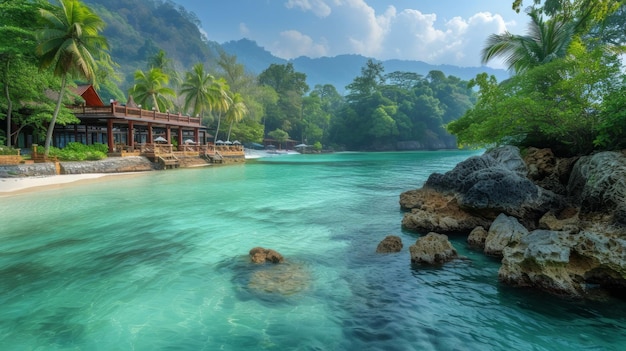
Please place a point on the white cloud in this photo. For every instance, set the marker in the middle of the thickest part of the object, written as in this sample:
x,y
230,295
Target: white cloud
x,y
417,36
244,30
294,44
318,7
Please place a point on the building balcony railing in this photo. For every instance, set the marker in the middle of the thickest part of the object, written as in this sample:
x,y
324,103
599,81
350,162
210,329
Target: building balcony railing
x,y
118,111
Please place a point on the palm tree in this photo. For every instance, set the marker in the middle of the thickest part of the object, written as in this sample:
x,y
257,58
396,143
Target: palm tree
x,y
197,90
165,64
71,44
220,101
236,112
151,89
545,41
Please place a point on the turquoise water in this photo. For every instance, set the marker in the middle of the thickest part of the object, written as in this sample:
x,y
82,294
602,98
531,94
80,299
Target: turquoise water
x,y
159,261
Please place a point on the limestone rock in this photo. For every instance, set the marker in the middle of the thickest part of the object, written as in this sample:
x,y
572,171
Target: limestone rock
x,y
389,244
477,238
547,170
262,255
574,265
434,211
503,231
598,184
495,183
432,249
567,220
540,259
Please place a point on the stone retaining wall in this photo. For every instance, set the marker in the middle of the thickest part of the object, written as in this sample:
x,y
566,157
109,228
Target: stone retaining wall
x,y
109,165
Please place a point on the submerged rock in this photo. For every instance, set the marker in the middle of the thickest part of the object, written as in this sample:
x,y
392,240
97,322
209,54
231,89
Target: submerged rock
x,y
262,255
390,244
283,279
432,249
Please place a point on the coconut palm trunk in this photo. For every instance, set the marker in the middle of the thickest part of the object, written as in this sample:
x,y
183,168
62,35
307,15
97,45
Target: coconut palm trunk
x,y
57,108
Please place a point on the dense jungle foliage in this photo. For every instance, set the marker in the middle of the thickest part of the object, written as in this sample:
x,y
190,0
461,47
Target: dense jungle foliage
x,y
567,91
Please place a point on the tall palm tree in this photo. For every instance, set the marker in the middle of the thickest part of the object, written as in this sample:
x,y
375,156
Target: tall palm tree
x,y
71,44
150,89
236,112
220,101
545,41
196,90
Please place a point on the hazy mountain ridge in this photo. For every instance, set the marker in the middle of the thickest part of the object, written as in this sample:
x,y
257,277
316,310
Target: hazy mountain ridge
x,y
341,70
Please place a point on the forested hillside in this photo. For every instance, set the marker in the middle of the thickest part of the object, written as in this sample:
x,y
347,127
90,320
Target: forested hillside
x,y
138,29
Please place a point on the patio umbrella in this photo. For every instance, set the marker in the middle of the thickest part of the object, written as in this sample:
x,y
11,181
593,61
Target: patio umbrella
x,y
228,142
219,142
237,142
160,140
189,141
301,145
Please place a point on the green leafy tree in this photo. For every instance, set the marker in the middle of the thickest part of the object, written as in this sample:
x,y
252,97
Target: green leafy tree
x,y
151,90
70,44
290,86
17,45
542,108
279,135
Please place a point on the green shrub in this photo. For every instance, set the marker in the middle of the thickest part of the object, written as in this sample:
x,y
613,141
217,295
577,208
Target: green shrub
x,y
5,150
78,152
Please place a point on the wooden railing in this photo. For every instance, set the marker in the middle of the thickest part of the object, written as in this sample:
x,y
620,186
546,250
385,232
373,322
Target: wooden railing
x,y
133,112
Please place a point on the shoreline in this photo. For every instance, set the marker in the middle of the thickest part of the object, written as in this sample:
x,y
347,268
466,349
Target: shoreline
x,y
15,186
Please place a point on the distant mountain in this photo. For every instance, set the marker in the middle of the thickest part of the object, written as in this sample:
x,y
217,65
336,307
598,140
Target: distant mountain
x,y
341,70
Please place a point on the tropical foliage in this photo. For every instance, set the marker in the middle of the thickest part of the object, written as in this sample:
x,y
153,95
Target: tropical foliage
x,y
399,110
71,45
567,92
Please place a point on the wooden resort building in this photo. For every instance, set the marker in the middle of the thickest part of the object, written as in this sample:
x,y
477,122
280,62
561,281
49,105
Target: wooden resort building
x,y
128,129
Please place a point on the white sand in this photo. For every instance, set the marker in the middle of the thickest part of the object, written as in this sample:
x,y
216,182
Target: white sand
x,y
14,185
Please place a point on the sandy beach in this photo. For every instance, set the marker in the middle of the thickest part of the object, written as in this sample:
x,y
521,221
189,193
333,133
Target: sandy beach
x,y
12,186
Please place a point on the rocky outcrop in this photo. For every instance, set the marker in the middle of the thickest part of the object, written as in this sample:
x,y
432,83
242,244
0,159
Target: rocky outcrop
x,y
477,237
559,224
475,192
435,211
573,265
503,231
597,185
390,244
432,249
262,255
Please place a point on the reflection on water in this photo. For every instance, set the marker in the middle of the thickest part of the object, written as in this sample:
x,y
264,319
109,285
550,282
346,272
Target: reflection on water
x,y
159,262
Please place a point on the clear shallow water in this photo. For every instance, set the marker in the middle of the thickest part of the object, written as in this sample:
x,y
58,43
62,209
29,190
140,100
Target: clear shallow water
x,y
159,262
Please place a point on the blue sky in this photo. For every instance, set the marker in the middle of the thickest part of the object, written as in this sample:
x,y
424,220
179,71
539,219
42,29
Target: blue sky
x,y
434,31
